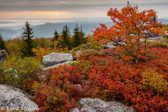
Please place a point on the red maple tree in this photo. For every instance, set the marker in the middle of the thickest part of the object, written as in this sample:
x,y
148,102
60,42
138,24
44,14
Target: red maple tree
x,y
130,26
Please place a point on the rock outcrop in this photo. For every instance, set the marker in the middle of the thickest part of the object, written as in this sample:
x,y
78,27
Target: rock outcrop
x,y
53,66
109,45
12,98
97,105
53,60
3,55
56,58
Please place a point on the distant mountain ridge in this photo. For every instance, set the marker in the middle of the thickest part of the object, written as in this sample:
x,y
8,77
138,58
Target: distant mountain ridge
x,y
47,29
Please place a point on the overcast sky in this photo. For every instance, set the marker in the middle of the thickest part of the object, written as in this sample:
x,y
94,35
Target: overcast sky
x,y
55,9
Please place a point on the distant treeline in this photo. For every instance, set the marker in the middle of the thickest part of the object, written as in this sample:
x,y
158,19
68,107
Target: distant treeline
x,y
61,40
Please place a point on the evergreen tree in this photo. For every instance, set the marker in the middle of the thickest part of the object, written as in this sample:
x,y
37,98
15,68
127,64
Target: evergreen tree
x,y
56,36
2,43
66,38
28,43
78,37
84,40
76,40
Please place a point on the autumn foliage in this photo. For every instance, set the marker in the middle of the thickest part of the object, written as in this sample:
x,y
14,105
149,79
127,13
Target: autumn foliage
x,y
130,26
144,86
98,73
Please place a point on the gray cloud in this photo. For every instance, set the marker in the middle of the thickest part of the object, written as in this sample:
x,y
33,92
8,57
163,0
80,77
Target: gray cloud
x,y
30,5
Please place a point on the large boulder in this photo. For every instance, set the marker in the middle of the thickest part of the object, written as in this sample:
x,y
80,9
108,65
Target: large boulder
x,y
54,66
56,58
3,55
12,98
97,105
74,110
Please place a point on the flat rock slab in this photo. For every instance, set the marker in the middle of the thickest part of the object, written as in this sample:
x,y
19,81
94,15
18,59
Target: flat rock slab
x,y
98,105
54,66
12,98
56,58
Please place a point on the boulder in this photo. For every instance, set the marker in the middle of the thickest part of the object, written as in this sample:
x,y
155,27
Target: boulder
x,y
155,38
109,45
3,55
56,58
97,105
74,110
12,98
54,66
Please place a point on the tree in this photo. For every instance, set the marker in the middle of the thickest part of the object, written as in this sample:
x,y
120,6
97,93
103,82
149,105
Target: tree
x,y
130,25
82,34
66,38
55,40
28,43
78,37
2,43
76,40
56,35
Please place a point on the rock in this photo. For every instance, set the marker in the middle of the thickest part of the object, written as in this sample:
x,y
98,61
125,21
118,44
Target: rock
x,y
56,58
155,38
3,55
97,105
78,86
74,110
108,47
54,66
12,98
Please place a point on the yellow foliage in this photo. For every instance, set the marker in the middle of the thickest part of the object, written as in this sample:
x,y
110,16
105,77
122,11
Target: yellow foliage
x,y
158,43
40,52
91,38
154,80
13,48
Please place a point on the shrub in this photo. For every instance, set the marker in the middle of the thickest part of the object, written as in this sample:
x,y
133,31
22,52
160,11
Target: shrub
x,y
108,77
40,52
58,91
21,72
158,43
154,80
90,45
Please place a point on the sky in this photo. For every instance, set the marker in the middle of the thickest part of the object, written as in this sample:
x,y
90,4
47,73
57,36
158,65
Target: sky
x,y
49,10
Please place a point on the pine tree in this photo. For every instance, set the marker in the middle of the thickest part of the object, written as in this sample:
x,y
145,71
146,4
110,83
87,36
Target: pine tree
x,y
78,37
28,43
66,38
76,40
84,40
56,36
2,43
55,40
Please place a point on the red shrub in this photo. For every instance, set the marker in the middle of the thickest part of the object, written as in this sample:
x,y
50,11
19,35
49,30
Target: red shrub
x,y
105,76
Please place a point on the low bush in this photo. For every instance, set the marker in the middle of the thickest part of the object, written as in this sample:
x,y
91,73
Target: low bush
x,y
21,73
158,43
142,86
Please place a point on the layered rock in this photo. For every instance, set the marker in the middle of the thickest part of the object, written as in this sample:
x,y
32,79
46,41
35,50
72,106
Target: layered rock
x,y
53,60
